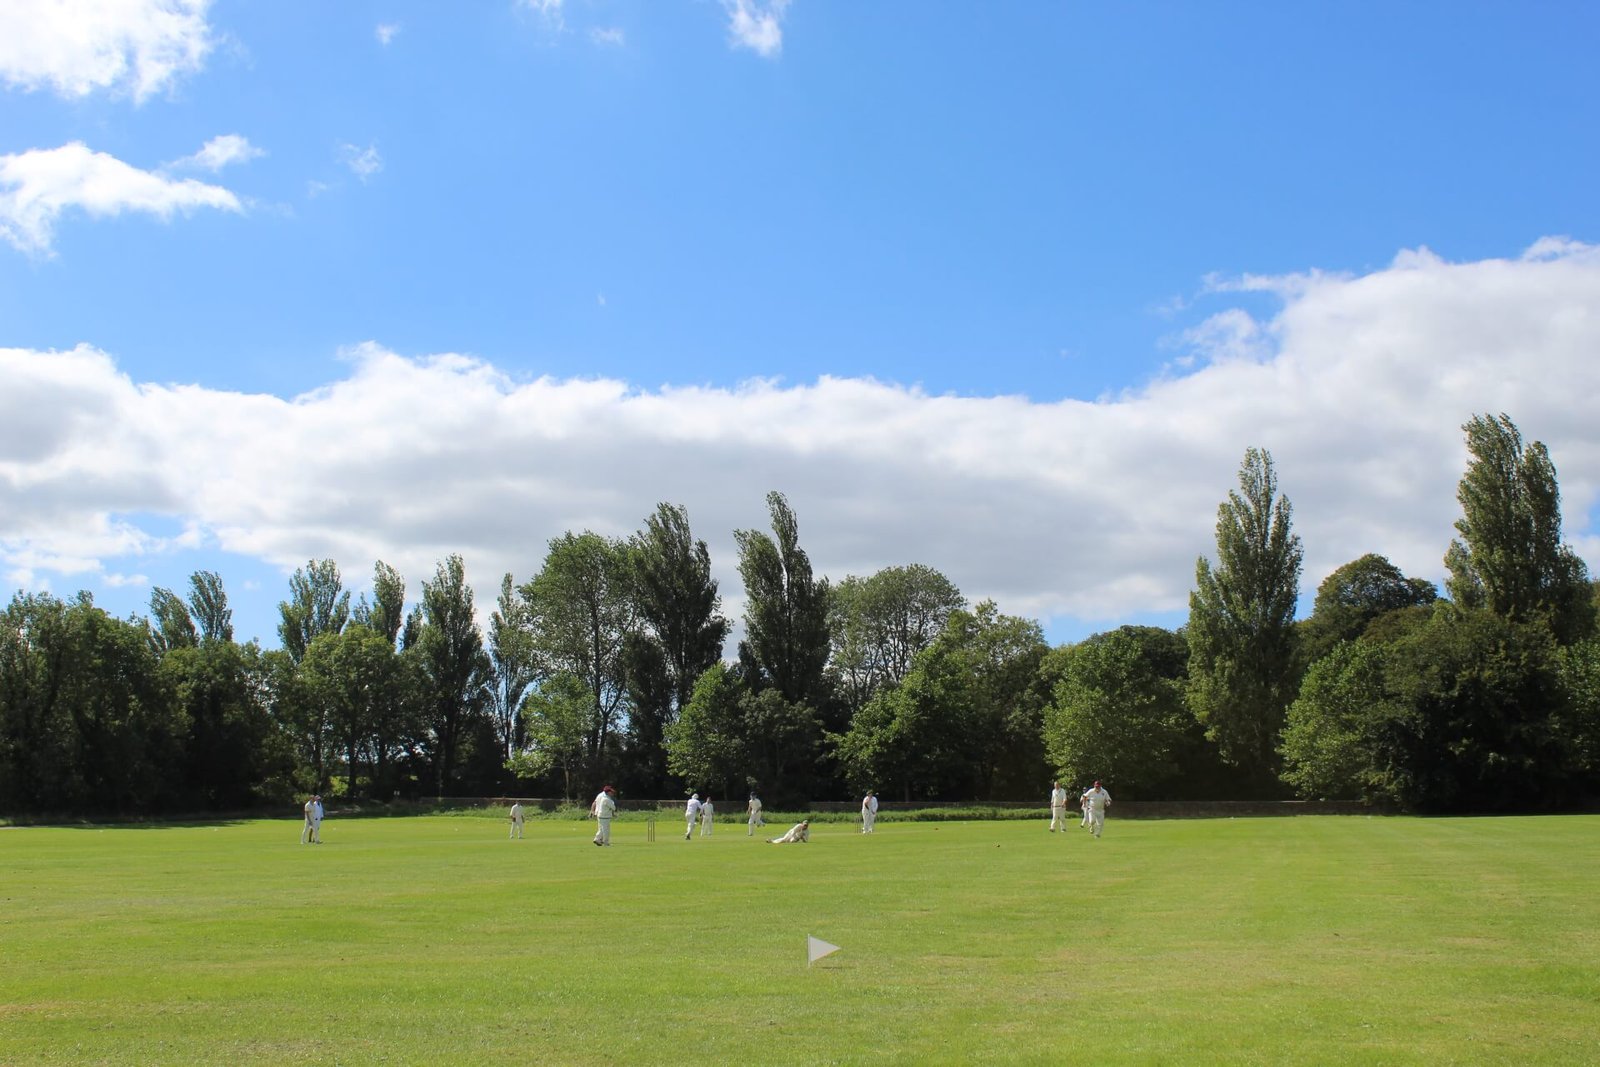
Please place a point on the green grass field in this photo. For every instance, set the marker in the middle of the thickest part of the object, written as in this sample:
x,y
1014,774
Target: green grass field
x,y
436,940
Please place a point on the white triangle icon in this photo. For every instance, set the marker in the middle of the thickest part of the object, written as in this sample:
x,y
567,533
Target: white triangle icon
x,y
816,948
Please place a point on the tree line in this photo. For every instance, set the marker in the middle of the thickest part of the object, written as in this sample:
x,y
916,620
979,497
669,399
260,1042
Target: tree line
x,y
610,664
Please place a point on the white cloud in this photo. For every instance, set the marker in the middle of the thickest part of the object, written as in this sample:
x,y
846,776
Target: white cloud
x,y
547,10
756,26
38,186
78,46
1072,510
363,162
386,32
219,152
608,35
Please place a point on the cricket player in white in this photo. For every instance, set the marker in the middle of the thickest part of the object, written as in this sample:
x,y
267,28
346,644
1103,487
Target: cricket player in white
x,y
306,831
754,811
691,812
516,819
800,832
707,816
1083,803
1098,800
605,807
869,811
316,819
1058,808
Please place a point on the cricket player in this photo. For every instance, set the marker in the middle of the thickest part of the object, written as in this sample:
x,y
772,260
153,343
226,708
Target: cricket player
x,y
1083,804
605,807
1097,800
869,811
754,811
1058,808
800,832
707,816
310,826
691,812
516,820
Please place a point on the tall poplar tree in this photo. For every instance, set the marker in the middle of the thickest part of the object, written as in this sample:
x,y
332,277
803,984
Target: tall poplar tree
x,y
681,638
208,603
450,648
1510,558
318,604
786,609
1242,663
678,598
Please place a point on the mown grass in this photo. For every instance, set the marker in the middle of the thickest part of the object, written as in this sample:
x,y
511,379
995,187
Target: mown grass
x,y
437,940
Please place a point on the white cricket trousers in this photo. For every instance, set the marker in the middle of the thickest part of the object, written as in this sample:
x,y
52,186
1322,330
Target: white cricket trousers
x,y
1058,819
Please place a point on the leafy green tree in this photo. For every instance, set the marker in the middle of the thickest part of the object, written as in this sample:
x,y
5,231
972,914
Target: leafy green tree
x,y
1510,558
1118,711
1242,653
1349,599
356,675
217,688
965,721
303,722
581,608
1483,714
1466,711
651,708
1580,677
786,640
449,650
879,624
85,723
317,605
1334,740
706,743
557,718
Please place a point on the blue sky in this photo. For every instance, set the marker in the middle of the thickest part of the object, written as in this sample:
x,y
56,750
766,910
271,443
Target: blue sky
x,y
1004,289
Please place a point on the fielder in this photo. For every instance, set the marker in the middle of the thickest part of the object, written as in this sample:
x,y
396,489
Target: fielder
x,y
1097,801
1083,804
1058,808
691,812
754,811
869,811
516,820
310,826
706,817
604,808
799,833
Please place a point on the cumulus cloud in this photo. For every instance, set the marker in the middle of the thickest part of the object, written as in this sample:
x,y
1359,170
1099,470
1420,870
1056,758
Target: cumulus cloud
x,y
76,47
219,152
386,32
756,26
38,186
1071,510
